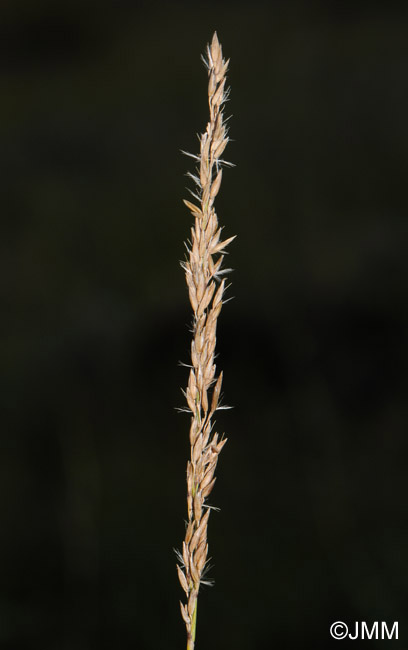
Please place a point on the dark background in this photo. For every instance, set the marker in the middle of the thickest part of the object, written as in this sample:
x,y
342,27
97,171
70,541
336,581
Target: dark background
x,y
97,101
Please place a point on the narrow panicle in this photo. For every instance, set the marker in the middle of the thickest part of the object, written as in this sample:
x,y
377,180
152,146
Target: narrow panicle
x,y
203,267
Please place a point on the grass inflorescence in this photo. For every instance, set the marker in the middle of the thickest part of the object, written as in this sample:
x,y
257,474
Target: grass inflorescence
x,y
204,274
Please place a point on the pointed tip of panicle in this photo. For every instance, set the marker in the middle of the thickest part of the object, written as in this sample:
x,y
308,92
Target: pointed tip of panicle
x,y
215,47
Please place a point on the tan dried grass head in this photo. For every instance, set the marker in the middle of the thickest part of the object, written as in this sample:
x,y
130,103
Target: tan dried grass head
x,y
204,271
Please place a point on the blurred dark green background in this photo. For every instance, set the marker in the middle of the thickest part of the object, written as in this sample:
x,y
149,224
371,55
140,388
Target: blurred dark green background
x,y
97,101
